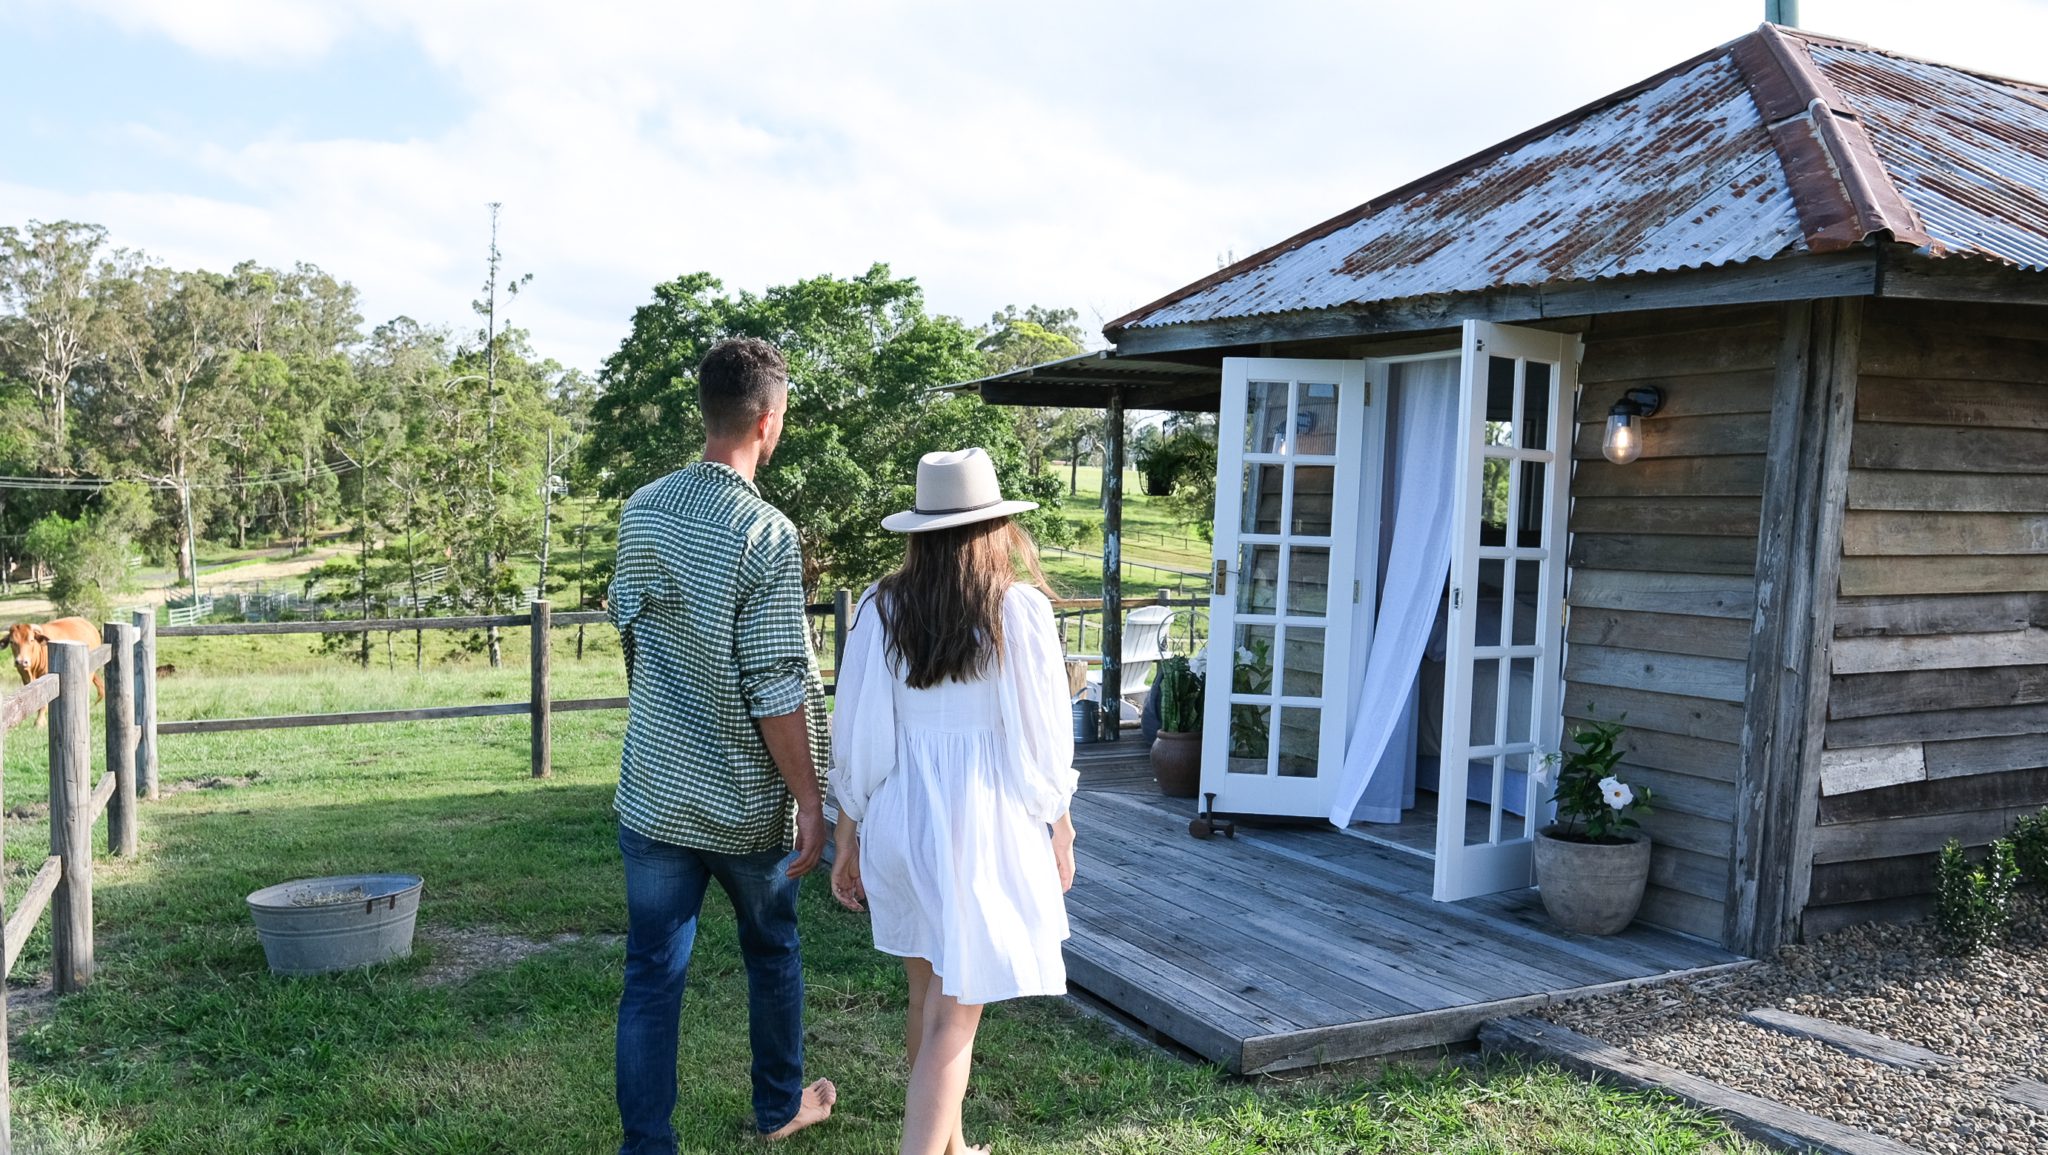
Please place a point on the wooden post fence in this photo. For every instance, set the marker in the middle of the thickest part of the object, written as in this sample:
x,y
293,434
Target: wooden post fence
x,y
540,695
145,703
842,612
71,817
63,884
122,834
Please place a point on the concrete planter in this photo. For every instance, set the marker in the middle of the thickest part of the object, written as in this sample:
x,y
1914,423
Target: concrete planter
x,y
316,925
1177,763
1589,888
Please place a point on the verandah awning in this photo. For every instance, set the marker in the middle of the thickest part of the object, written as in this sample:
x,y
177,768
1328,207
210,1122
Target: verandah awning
x,y
1085,381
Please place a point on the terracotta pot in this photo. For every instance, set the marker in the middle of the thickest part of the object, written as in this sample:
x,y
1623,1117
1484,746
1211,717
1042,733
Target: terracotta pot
x,y
1590,888
1177,763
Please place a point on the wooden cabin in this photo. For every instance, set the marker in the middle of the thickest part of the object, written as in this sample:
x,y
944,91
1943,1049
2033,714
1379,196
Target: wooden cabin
x,y
1817,599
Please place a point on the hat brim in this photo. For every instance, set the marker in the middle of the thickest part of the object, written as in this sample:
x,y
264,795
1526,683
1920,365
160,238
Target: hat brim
x,y
911,521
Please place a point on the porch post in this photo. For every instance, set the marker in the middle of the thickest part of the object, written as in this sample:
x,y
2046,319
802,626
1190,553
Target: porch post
x,y
1798,567
1111,716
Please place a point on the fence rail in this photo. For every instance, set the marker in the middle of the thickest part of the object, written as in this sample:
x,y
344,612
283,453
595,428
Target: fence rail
x,y
540,706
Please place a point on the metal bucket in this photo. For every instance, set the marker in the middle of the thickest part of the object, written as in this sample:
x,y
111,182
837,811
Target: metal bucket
x,y
316,925
1085,713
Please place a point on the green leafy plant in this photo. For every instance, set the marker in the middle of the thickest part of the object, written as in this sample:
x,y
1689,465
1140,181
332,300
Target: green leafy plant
x,y
1251,672
1593,805
1973,903
2030,848
1180,696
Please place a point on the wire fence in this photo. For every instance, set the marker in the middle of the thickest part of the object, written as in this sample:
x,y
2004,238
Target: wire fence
x,y
1186,582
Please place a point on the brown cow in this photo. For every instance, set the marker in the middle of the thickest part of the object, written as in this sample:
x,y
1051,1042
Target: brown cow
x,y
32,654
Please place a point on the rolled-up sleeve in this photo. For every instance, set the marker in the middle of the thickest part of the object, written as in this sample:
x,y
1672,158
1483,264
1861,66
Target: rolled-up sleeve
x,y
772,644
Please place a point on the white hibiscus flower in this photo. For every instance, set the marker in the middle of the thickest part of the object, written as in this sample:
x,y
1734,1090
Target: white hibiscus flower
x,y
1617,793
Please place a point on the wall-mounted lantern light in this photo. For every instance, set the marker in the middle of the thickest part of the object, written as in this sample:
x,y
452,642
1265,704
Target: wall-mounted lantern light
x,y
1624,440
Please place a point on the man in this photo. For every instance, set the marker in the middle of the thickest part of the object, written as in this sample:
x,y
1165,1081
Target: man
x,y
725,738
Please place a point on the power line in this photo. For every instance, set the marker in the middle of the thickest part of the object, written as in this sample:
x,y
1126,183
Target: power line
x,y
94,484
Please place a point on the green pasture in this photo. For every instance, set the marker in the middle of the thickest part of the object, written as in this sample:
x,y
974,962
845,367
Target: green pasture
x,y
186,1044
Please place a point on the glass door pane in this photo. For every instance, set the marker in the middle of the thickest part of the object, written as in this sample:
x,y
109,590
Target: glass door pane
x,y
1507,580
1286,532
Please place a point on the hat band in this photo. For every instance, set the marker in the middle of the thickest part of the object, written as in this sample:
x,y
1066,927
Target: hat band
x,y
918,509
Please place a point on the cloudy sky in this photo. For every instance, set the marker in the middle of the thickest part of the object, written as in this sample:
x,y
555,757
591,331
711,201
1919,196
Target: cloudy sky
x,y
1086,155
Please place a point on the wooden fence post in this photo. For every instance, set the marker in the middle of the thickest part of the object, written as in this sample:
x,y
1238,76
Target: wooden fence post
x,y
71,816
542,704
145,703
122,835
842,612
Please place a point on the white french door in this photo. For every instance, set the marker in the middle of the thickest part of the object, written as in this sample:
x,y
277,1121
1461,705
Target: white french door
x,y
1503,678
1290,576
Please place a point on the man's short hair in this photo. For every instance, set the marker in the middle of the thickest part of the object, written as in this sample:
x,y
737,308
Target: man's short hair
x,y
739,380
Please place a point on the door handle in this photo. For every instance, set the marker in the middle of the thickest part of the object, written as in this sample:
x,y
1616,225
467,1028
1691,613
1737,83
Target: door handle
x,y
1221,583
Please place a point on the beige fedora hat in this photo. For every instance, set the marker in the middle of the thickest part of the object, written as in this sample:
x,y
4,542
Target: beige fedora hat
x,y
955,488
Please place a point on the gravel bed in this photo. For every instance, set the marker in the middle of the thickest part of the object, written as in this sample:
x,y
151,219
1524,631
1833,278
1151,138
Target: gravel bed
x,y
1989,1012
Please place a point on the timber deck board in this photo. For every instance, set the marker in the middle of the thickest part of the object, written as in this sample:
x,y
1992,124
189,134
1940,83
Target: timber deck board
x,y
1291,945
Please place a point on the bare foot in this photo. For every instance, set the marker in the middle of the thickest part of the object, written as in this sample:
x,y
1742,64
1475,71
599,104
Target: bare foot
x,y
816,1108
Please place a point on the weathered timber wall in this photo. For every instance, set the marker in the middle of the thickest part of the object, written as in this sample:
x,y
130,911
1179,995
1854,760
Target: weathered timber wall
x,y
1663,586
1938,696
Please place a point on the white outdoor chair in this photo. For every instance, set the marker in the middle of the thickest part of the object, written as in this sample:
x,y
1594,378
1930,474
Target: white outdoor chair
x,y
1145,631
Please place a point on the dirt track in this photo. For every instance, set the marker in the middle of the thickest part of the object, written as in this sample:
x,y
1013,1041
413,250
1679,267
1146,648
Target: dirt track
x,y
260,573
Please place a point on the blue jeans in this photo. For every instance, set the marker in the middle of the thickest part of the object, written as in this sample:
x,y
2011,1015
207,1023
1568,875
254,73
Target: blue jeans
x,y
665,887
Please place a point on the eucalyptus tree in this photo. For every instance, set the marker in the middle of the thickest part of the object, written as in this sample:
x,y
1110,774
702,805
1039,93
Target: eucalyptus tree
x,y
167,409
53,316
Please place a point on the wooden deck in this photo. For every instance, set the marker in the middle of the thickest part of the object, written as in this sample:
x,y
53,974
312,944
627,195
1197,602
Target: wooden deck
x,y
1289,946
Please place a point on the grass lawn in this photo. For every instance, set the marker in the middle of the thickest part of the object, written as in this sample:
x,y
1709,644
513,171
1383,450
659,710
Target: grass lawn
x,y
1151,535
186,1044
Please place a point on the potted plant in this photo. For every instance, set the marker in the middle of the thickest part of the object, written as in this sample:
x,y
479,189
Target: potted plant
x,y
1177,749
1592,863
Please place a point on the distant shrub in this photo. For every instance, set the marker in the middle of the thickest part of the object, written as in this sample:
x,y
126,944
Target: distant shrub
x,y
2030,848
1972,903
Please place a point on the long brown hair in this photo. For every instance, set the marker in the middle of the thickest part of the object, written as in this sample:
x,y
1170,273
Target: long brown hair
x,y
942,612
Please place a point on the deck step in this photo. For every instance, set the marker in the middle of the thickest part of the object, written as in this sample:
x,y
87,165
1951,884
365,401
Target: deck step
x,y
1849,1040
1780,1126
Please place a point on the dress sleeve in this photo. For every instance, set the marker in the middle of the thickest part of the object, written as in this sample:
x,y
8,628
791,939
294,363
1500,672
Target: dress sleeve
x,y
1038,718
864,720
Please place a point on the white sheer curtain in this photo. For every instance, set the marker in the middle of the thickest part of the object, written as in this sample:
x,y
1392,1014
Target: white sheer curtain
x,y
1378,779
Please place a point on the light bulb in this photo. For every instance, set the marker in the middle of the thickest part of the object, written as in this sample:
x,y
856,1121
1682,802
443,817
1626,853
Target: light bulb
x,y
1623,442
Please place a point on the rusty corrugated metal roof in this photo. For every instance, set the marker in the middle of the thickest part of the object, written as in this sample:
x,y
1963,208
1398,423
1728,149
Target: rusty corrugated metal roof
x,y
1968,152
1775,144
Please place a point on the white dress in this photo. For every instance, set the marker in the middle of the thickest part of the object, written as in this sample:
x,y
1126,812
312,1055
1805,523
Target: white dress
x,y
954,788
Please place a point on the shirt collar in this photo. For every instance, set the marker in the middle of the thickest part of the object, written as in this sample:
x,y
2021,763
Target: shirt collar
x,y
721,470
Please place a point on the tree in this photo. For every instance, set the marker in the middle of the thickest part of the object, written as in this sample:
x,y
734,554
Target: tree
x,y
51,314
1015,340
166,415
863,356
88,555
1193,495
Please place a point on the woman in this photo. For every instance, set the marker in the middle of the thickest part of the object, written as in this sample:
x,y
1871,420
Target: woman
x,y
952,764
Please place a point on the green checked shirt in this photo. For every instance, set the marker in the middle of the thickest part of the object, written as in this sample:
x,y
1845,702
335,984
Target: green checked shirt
x,y
709,598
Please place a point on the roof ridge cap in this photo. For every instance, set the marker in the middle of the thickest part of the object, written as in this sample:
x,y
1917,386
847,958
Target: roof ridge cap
x,y
1842,191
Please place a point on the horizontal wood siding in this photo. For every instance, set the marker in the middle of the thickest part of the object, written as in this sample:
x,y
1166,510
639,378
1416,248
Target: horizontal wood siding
x,y
1663,587
1938,697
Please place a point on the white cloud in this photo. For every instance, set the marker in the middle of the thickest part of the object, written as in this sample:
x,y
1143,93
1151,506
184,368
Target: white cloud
x,y
254,31
1094,156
